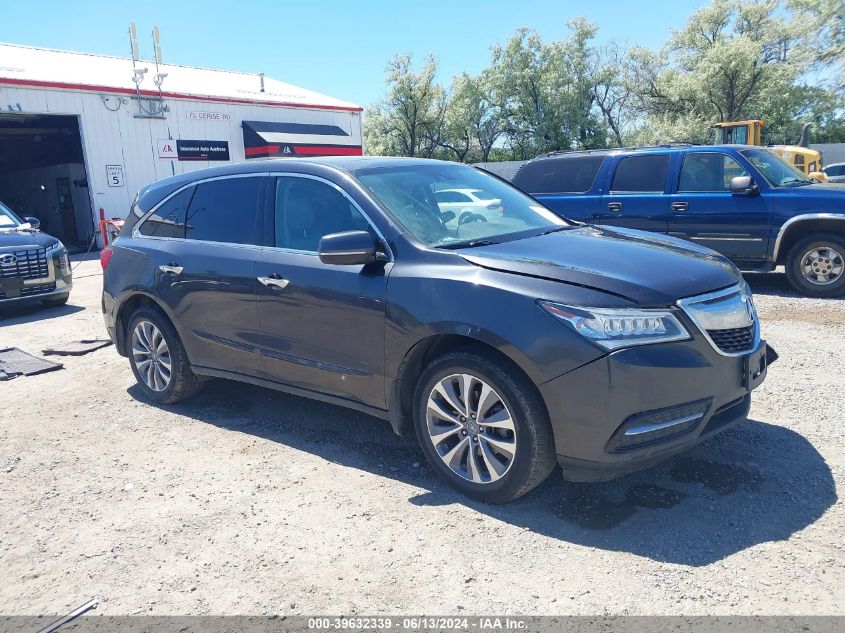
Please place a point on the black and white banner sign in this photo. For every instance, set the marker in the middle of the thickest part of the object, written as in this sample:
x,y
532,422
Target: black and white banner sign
x,y
182,149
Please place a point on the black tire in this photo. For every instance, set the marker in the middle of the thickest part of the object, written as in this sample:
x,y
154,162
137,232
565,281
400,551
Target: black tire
x,y
794,265
54,302
183,382
534,456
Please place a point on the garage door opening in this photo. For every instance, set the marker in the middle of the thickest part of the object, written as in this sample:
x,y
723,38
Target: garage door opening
x,y
42,174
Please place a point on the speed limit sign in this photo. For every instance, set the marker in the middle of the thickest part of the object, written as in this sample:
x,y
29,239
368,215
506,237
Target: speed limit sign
x,y
114,175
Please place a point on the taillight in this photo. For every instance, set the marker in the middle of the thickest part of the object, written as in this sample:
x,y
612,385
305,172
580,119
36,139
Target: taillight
x,y
105,256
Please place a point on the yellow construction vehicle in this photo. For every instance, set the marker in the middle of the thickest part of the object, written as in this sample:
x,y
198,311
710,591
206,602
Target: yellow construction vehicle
x,y
801,156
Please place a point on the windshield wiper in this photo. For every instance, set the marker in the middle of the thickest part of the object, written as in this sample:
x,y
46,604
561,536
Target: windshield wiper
x,y
467,244
555,229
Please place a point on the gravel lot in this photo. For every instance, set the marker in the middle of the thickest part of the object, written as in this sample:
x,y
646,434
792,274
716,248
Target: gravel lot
x,y
248,501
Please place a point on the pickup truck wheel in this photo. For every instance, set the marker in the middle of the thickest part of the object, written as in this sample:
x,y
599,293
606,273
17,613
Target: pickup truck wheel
x,y
815,266
158,358
483,427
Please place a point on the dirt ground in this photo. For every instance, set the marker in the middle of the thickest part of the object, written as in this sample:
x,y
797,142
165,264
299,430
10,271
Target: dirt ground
x,y
248,501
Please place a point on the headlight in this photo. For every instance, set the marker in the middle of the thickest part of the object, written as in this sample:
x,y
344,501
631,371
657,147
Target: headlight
x,y
614,328
59,252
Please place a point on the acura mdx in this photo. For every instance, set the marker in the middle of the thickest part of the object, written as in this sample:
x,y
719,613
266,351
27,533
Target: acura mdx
x,y
508,342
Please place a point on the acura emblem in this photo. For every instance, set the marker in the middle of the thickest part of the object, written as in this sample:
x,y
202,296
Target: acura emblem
x,y
7,260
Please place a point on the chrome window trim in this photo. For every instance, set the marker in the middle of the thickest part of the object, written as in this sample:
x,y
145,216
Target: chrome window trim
x,y
802,218
686,306
136,229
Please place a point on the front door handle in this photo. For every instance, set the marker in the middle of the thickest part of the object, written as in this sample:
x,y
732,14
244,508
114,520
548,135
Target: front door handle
x,y
616,207
274,281
679,207
171,269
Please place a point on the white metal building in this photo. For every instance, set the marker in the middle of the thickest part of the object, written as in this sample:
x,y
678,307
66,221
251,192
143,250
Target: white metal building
x,y
77,134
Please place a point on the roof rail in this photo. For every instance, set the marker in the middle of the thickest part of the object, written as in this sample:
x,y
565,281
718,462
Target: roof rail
x,y
621,149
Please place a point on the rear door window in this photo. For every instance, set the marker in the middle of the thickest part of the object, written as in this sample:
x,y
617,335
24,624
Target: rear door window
x,y
225,210
641,174
169,219
564,174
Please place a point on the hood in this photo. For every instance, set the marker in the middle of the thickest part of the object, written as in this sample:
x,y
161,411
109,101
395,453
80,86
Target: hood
x,y
829,190
648,269
17,239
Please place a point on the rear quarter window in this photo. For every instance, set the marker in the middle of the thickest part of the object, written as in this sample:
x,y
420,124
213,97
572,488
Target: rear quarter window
x,y
641,174
566,174
168,220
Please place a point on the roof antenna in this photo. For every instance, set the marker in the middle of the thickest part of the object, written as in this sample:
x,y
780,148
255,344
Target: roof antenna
x,y
261,79
133,43
159,76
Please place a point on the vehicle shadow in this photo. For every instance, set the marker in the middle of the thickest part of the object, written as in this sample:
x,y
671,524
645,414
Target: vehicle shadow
x,y
753,484
32,312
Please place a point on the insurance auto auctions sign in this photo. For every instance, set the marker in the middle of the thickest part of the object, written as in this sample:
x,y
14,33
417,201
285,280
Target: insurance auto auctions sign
x,y
183,149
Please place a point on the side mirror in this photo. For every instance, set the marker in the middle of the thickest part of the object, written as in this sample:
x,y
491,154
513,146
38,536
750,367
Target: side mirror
x,y
347,248
33,222
744,185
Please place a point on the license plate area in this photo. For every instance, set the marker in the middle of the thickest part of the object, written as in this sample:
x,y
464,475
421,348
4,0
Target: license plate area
x,y
11,288
754,367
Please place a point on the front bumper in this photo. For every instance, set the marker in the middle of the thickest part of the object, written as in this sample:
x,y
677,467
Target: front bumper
x,y
648,403
57,282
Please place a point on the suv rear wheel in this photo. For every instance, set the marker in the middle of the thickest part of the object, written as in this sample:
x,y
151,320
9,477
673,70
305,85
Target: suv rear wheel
x,y
158,358
816,265
483,427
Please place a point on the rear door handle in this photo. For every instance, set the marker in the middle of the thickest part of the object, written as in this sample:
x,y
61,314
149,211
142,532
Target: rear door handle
x,y
616,207
171,269
274,281
680,207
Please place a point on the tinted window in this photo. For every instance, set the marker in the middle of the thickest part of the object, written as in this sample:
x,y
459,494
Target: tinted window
x,y
169,219
307,209
225,211
835,170
708,172
641,173
566,174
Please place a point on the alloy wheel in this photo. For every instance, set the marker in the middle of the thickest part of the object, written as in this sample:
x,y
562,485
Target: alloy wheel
x,y
151,356
822,266
471,429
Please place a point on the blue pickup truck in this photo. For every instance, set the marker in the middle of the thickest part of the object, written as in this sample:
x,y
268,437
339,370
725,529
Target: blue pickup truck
x,y
742,201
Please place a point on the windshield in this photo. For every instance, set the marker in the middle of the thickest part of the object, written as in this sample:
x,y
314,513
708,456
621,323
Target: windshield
x,y
8,219
410,194
776,170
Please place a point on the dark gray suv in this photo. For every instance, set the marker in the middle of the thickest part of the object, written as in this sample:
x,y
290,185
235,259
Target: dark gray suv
x,y
508,339
34,266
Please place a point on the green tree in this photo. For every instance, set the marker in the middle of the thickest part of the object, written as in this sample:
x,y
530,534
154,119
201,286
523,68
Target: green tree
x,y
822,25
411,119
726,64
473,121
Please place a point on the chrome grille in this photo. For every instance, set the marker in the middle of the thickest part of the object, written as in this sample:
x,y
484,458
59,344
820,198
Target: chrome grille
x,y
31,263
735,340
726,318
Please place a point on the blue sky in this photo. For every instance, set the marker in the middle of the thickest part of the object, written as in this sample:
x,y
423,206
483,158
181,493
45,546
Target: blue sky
x,y
337,48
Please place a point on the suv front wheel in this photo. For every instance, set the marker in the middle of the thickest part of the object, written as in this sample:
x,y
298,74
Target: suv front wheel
x,y
483,427
816,265
158,358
